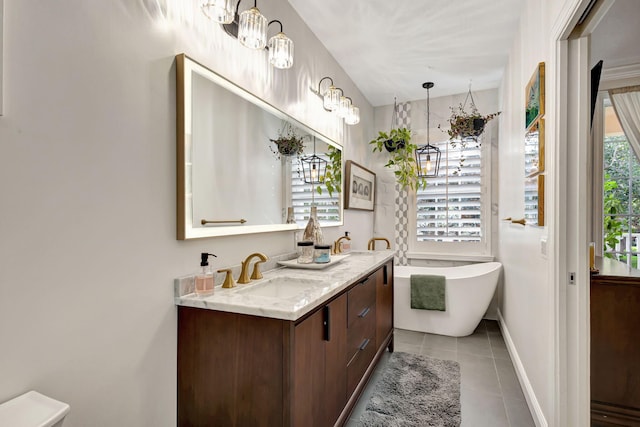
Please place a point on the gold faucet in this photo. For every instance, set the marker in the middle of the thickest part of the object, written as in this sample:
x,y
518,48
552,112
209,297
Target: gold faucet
x,y
337,249
372,243
244,276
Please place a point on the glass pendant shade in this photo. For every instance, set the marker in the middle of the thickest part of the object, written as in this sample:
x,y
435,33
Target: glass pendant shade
x,y
353,118
252,30
344,106
332,98
281,51
221,11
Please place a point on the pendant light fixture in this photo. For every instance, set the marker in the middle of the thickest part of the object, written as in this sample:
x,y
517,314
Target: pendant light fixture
x,y
252,28
313,167
280,49
220,11
428,156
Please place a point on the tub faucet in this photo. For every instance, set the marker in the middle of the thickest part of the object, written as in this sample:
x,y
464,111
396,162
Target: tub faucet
x,y
372,243
256,274
337,249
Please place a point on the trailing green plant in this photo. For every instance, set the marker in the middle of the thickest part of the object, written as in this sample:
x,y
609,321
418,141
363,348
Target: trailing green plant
x,y
401,157
332,178
611,206
465,128
288,142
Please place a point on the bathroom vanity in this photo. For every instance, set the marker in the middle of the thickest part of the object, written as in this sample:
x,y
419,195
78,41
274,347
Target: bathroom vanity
x,y
615,316
250,357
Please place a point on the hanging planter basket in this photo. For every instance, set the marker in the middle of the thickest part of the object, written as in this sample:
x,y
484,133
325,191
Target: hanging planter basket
x,y
465,125
288,143
395,142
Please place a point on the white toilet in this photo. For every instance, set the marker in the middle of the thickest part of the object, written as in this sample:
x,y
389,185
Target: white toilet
x,y
33,409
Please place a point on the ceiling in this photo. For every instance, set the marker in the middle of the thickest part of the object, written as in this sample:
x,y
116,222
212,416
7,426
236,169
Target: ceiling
x,y
390,48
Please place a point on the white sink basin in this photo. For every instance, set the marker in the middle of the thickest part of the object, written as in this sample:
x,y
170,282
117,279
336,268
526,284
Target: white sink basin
x,y
283,287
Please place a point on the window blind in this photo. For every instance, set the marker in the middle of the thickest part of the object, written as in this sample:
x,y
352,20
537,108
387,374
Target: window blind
x,y
450,208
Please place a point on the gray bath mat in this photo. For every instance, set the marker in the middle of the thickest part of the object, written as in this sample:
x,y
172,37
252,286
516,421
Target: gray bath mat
x,y
415,390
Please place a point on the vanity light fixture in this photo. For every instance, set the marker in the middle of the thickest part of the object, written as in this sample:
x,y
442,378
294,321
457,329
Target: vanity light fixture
x,y
344,106
220,11
252,28
313,167
353,118
334,100
428,156
280,49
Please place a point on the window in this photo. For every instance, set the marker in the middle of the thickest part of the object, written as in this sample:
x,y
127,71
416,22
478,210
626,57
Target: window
x,y
452,210
303,195
620,192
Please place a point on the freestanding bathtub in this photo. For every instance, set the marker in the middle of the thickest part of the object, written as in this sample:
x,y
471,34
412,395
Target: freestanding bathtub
x,y
469,289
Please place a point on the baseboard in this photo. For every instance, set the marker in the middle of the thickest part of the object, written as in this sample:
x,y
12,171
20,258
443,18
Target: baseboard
x,y
527,389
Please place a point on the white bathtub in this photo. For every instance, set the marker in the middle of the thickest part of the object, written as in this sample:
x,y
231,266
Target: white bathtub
x,y
469,289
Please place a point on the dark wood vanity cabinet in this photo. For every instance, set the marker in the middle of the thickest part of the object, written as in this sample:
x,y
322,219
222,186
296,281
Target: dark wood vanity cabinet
x,y
244,370
615,345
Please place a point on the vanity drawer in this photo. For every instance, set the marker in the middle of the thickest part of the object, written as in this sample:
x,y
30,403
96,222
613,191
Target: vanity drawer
x,y
361,329
360,298
365,350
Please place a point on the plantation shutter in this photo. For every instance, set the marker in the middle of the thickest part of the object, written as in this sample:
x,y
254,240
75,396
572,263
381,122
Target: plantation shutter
x,y
303,195
449,209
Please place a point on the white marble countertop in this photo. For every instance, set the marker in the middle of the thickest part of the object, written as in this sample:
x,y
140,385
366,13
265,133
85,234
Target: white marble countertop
x,y
327,283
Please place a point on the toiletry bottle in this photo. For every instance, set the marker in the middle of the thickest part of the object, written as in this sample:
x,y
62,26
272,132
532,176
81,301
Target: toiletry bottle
x,y
345,244
204,277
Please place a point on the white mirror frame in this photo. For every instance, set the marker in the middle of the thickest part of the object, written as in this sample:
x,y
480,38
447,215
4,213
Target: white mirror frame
x,y
1,43
185,66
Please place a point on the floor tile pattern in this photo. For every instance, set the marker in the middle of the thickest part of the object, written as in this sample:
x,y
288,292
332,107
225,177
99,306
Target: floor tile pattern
x,y
490,393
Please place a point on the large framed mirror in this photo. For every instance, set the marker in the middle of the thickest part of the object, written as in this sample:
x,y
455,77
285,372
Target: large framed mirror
x,y
231,179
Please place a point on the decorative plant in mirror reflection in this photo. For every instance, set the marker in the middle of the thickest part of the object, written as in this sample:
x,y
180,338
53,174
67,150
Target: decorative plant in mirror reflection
x,y
333,174
288,143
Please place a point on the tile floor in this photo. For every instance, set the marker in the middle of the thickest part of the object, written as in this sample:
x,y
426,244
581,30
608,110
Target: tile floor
x,y
490,394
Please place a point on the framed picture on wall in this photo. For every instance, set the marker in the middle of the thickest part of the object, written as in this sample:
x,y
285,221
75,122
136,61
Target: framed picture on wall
x,y
360,187
534,97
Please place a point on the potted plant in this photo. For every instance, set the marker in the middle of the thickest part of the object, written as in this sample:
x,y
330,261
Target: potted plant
x,y
402,158
288,143
464,125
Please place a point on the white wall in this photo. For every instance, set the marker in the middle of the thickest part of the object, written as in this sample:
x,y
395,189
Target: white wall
x,y
528,290
88,248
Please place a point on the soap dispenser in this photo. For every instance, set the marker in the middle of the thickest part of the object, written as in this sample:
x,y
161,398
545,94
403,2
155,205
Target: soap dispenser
x,y
345,243
204,277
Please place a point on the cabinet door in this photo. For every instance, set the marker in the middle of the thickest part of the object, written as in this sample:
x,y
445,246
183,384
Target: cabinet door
x,y
384,302
319,380
335,397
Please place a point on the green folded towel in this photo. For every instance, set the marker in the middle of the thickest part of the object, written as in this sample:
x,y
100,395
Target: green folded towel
x,y
427,292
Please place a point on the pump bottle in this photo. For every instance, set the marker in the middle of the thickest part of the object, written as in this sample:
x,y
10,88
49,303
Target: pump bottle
x,y
204,277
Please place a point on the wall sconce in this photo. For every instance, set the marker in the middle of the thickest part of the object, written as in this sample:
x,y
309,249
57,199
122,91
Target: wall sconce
x,y
280,49
313,167
334,100
220,11
428,156
250,28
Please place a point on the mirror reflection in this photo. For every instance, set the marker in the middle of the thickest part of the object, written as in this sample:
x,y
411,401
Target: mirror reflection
x,y
241,162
